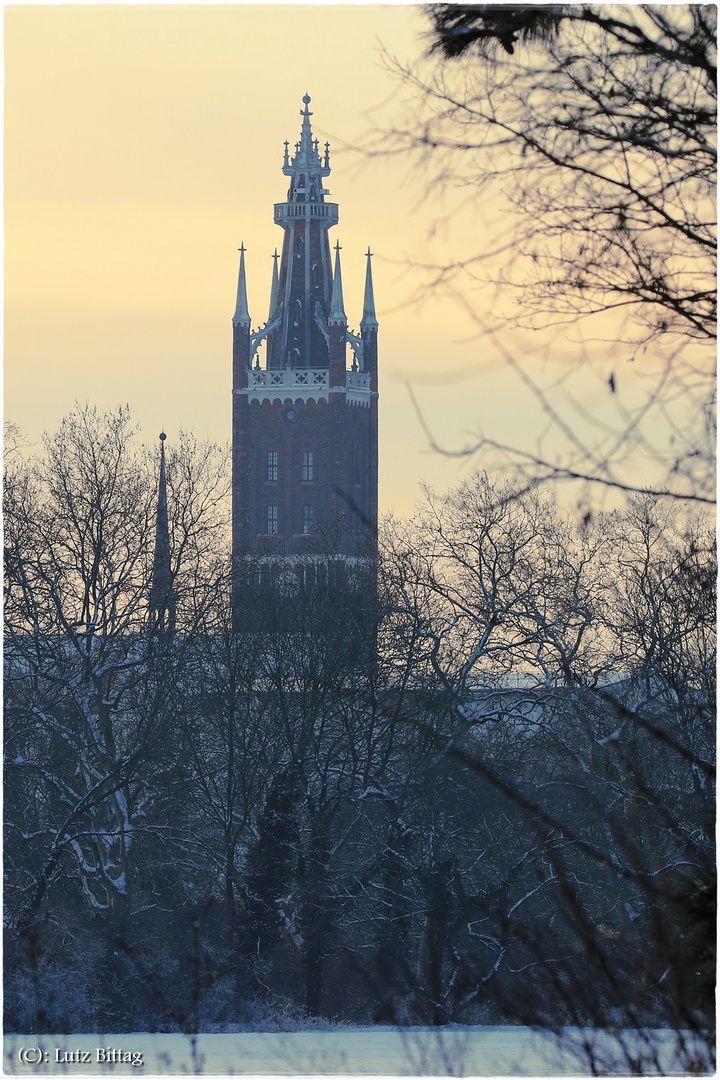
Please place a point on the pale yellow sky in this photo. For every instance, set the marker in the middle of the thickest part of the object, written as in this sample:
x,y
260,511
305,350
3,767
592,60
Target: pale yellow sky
x,y
143,144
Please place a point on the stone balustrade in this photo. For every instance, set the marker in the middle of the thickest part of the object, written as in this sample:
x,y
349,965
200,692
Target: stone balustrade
x,y
303,384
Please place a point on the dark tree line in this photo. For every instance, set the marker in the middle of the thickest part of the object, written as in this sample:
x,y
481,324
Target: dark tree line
x,y
481,790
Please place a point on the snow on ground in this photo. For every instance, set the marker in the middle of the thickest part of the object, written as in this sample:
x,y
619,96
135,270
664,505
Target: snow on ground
x,y
487,1051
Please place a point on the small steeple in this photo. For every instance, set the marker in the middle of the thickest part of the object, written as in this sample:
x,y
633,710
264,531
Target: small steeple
x,y
369,320
275,289
241,316
337,307
162,597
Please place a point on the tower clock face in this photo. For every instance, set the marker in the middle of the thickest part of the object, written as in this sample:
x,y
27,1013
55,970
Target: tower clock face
x,y
290,414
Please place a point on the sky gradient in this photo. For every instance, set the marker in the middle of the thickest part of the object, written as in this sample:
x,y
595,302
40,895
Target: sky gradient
x,y
143,144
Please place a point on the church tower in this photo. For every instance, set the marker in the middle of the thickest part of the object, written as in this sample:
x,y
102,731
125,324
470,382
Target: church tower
x,y
305,390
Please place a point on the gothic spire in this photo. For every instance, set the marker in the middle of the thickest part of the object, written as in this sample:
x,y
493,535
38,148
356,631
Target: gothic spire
x,y
275,289
337,307
242,316
162,598
369,319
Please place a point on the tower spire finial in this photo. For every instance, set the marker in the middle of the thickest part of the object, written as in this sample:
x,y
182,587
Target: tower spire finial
x,y
337,306
369,319
242,315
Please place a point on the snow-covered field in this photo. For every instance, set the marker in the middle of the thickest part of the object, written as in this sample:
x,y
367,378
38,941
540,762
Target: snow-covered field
x,y
487,1051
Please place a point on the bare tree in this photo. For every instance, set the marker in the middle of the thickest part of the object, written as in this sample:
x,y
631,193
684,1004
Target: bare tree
x,y
75,563
318,632
90,696
570,836
590,130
